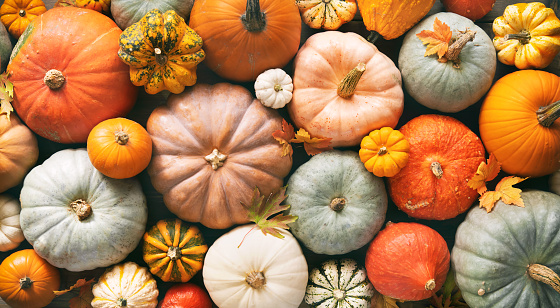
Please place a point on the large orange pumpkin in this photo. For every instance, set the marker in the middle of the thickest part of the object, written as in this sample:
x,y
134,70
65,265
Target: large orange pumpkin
x,y
243,38
518,122
212,146
27,280
67,76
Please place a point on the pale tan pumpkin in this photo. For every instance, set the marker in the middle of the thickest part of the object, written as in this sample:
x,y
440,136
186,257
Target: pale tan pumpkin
x,y
326,14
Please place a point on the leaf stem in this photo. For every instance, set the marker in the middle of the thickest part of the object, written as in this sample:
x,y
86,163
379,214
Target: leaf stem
x,y
246,236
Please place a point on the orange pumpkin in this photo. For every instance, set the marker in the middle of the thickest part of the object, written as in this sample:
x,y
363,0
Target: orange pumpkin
x,y
17,14
102,6
518,122
444,155
62,87
27,280
243,38
119,148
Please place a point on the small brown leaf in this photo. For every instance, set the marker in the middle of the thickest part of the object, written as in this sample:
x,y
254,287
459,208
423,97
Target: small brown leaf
x,y
84,298
284,136
381,301
437,40
79,283
312,145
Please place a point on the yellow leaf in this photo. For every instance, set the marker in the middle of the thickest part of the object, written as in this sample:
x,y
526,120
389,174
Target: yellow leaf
x,y
312,145
486,172
504,191
488,199
6,107
381,301
437,40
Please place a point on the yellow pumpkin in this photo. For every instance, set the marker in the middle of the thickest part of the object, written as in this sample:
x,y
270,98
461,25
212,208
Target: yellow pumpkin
x,y
384,151
328,15
527,35
17,14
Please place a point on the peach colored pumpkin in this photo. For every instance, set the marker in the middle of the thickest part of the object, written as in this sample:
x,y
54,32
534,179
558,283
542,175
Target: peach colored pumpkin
x,y
322,64
212,146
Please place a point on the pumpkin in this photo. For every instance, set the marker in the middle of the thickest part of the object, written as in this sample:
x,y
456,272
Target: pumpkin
x,y
174,251
344,88
328,15
274,88
51,68
102,6
527,35
186,295
119,148
333,192
518,124
258,271
128,12
509,257
339,283
384,151
453,85
472,9
554,182
392,18
17,14
260,35
162,52
125,285
407,261
18,151
444,155
27,280
5,47
10,231
77,218
211,146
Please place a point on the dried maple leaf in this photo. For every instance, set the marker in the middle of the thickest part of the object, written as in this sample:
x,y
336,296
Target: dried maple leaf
x,y
312,145
284,136
487,171
259,211
79,283
6,95
505,192
381,301
437,40
84,298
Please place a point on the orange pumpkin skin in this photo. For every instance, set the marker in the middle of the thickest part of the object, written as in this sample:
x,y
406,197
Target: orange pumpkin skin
x,y
509,127
45,279
443,140
95,88
237,54
119,148
407,261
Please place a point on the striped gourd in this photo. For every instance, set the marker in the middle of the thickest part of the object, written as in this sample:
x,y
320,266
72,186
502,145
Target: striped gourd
x,y
339,284
173,250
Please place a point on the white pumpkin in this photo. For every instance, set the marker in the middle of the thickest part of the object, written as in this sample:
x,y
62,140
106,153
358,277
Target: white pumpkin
x,y
10,231
273,88
77,218
265,271
125,285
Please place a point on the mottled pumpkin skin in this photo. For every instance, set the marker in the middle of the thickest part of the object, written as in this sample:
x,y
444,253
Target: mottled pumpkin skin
x,y
416,190
493,250
5,47
127,12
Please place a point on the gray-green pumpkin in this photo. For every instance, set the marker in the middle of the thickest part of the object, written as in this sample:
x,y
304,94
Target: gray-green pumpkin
x,y
5,47
340,205
500,258
127,12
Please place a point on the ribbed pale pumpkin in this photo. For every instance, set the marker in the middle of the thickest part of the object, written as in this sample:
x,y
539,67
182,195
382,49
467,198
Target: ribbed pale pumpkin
x,y
10,231
518,122
17,14
328,15
162,52
174,250
274,88
127,12
384,151
509,257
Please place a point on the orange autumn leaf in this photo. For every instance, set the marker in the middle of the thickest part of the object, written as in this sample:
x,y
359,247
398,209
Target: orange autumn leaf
x,y
505,192
312,145
487,171
284,136
79,283
382,301
437,40
84,298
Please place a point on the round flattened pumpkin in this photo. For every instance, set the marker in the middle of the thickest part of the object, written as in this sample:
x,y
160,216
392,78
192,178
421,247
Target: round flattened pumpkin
x,y
127,12
212,146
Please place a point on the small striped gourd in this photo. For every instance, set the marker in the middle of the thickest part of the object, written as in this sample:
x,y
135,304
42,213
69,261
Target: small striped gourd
x,y
340,284
174,250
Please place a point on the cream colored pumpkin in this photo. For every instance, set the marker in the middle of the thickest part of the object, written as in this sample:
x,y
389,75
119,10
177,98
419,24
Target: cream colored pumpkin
x,y
273,88
264,271
125,285
326,14
10,231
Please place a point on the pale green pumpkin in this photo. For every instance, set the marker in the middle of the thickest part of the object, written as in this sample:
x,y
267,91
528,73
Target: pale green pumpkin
x,y
127,12
5,47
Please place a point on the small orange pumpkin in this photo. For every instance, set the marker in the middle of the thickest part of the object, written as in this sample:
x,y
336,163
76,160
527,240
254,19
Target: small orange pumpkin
x,y
119,148
17,14
384,151
102,6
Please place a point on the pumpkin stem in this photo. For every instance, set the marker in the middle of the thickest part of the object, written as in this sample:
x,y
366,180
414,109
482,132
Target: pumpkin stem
x,y
436,169
81,208
430,285
22,13
373,36
277,88
121,137
174,253
339,295
121,302
25,283
523,37
337,204
216,159
455,48
547,115
255,279
544,274
382,151
348,85
161,58
54,79
253,19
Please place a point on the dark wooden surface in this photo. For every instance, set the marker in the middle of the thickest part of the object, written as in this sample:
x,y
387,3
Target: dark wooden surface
x,y
157,210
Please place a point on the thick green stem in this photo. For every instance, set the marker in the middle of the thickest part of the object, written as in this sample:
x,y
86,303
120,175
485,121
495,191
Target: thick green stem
x,y
523,37
253,20
547,115
373,36
348,85
544,274
121,302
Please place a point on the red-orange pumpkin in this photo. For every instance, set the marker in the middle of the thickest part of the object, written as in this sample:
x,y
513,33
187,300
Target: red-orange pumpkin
x,y
407,261
67,76
444,155
27,280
